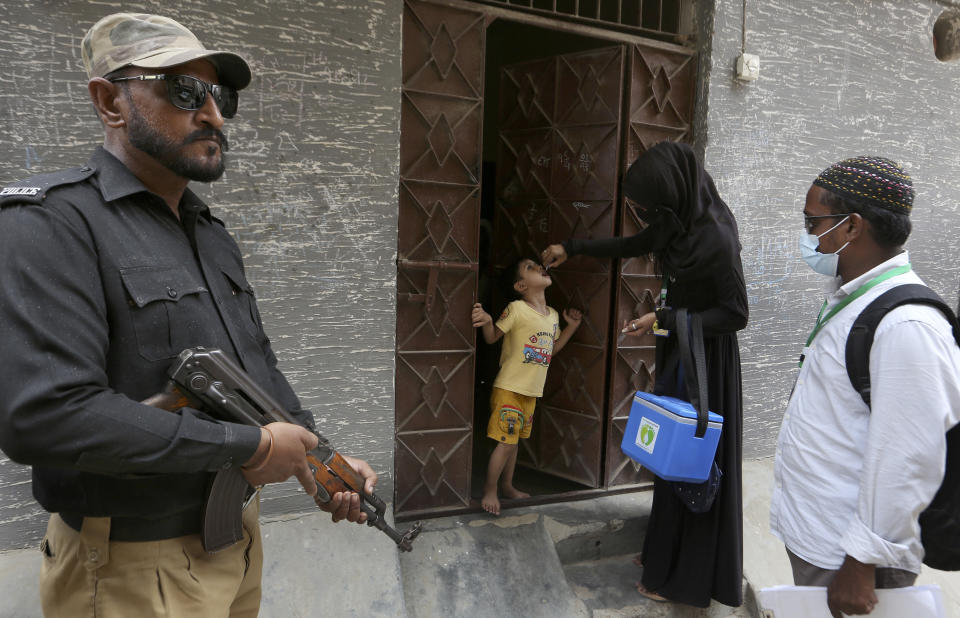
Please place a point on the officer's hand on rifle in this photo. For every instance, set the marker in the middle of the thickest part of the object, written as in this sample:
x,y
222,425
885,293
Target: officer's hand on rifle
x,y
282,453
342,486
346,505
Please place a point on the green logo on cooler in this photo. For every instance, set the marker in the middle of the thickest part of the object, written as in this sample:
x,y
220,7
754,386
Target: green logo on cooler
x,y
647,434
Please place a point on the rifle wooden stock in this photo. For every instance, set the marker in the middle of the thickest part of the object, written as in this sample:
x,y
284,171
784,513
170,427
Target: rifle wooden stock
x,y
337,475
171,399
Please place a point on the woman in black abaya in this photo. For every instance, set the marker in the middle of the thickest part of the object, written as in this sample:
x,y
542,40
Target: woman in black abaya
x,y
688,557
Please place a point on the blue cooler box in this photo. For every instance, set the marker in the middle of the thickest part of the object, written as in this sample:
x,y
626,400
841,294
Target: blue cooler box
x,y
660,437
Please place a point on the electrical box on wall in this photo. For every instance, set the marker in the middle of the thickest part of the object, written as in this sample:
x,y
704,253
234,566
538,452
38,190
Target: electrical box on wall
x,y
748,67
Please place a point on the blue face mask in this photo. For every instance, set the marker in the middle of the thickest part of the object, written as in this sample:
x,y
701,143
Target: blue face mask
x,y
823,263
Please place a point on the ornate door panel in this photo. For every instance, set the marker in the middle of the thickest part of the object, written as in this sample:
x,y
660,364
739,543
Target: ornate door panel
x,y
556,179
441,119
660,107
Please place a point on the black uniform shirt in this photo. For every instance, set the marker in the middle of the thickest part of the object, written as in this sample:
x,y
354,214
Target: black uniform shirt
x,y
101,286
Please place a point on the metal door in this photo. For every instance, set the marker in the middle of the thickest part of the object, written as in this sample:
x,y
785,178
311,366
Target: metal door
x,y
559,135
660,107
441,118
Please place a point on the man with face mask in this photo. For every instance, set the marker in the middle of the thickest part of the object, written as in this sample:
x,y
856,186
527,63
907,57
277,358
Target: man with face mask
x,y
851,480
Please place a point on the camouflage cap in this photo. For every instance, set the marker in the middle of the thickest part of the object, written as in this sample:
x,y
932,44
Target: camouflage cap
x,y
153,42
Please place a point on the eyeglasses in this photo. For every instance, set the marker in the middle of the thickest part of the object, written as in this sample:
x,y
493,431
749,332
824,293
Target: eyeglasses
x,y
809,220
189,93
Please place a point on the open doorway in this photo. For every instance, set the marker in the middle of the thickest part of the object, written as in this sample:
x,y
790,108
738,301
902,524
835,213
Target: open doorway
x,y
514,130
551,141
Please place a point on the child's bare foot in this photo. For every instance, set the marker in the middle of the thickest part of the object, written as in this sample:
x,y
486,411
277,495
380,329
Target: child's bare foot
x,y
490,502
513,493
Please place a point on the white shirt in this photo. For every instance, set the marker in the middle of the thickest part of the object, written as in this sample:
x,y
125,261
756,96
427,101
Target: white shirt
x,y
849,480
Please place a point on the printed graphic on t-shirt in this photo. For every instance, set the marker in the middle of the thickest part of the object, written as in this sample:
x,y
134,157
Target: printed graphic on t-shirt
x,y
528,345
536,355
539,349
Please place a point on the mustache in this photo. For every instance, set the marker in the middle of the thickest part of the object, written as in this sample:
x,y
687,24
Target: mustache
x,y
207,134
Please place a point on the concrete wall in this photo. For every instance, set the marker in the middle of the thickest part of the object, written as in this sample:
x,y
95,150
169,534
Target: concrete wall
x,y
838,78
310,191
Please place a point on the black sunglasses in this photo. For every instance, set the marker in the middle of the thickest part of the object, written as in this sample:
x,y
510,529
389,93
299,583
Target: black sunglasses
x,y
809,220
189,93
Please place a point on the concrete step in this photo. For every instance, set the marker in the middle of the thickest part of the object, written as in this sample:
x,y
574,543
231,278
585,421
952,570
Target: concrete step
x,y
556,561
606,587
482,566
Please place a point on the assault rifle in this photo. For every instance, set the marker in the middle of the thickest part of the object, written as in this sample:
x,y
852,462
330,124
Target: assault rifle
x,y
208,380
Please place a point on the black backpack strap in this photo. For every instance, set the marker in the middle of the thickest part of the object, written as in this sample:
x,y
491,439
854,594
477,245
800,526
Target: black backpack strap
x,y
860,339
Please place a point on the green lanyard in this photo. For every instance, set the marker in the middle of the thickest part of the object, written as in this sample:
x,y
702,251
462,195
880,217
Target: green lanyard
x,y
860,291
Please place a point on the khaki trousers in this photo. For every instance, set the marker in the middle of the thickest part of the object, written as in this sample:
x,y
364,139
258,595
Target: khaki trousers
x,y
86,575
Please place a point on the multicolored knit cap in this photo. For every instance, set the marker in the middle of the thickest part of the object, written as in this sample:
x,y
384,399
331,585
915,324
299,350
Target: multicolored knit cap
x,y
872,181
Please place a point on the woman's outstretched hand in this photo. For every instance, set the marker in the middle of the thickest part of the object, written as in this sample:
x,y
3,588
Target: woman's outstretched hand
x,y
639,326
554,255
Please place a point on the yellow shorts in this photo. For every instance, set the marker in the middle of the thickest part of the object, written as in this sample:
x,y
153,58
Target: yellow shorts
x,y
511,416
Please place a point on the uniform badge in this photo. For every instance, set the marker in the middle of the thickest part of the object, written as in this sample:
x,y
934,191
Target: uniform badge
x,y
19,191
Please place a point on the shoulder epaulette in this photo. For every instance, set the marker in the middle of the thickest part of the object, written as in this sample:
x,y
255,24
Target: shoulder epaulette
x,y
33,190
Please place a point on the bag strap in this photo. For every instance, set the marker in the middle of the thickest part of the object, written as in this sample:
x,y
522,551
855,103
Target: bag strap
x,y
690,334
860,339
937,519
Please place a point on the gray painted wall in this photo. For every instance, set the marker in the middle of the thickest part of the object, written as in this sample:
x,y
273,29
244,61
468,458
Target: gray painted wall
x,y
838,78
310,191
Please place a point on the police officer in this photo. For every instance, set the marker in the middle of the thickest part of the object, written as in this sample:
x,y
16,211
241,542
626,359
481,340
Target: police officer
x,y
108,272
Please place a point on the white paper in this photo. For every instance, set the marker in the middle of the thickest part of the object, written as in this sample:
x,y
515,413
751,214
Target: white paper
x,y
811,602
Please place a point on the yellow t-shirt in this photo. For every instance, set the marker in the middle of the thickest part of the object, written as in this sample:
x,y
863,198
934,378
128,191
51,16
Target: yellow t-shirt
x,y
528,339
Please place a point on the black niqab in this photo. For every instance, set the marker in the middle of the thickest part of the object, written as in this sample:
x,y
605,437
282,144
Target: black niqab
x,y
690,228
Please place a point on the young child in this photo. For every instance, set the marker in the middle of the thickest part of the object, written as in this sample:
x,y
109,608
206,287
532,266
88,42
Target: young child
x,y
531,341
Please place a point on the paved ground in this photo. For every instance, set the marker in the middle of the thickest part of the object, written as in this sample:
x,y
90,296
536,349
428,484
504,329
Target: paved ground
x,y
555,561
